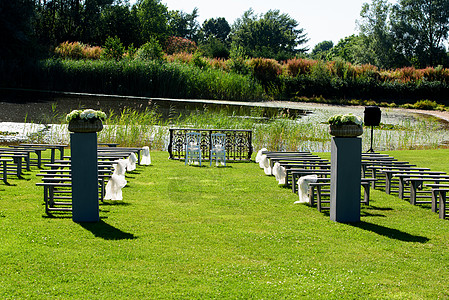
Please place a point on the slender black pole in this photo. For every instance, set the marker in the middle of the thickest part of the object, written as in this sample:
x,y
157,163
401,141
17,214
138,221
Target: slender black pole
x,y
371,149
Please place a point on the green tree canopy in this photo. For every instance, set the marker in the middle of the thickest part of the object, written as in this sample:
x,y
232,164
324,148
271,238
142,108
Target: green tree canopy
x,y
218,28
377,44
345,49
118,20
270,35
183,25
153,20
321,49
15,28
419,29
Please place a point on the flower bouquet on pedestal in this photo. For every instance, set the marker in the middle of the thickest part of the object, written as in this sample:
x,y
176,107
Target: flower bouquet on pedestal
x,y
347,125
86,121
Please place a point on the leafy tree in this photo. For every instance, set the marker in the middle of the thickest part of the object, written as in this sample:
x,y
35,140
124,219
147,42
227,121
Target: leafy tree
x,y
90,21
118,20
345,49
270,35
183,25
419,29
15,28
218,28
113,49
215,48
153,20
151,50
376,45
321,50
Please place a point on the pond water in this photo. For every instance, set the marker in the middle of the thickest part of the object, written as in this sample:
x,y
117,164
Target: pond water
x,y
24,114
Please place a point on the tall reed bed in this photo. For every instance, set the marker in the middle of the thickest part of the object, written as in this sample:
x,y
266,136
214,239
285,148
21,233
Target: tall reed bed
x,y
278,133
139,78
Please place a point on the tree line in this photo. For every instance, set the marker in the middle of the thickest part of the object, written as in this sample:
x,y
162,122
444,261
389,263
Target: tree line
x,y
47,23
408,33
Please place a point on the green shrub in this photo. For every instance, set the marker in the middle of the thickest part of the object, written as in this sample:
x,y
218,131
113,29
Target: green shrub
x,y
113,48
265,69
151,50
76,50
298,66
199,61
426,104
176,44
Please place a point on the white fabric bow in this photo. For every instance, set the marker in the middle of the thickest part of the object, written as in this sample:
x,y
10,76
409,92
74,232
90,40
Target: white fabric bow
x,y
132,159
303,187
279,173
117,181
146,158
259,154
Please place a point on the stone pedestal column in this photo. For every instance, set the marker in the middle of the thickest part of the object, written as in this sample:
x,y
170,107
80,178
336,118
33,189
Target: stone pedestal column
x,y
85,206
345,179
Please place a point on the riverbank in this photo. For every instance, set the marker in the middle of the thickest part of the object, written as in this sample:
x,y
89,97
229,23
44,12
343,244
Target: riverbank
x,y
45,106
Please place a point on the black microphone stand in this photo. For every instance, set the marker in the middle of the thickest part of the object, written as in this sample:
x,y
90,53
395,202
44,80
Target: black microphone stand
x,y
371,149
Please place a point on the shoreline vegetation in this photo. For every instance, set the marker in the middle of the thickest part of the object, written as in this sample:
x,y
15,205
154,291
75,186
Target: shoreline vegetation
x,y
192,76
278,132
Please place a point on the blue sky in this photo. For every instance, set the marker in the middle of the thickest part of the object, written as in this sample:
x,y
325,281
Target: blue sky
x,y
321,19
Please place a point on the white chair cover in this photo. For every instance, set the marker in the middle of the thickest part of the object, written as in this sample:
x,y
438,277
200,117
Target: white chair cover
x,y
265,164
259,154
117,181
279,173
132,159
146,158
303,187
120,167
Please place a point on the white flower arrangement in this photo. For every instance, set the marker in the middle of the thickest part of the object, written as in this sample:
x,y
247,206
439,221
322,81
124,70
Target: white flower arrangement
x,y
86,114
347,119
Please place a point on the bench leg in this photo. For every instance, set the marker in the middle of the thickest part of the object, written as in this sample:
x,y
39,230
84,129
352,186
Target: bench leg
x,y
5,173
435,193
413,189
388,179
311,195
442,208
318,198
366,187
401,188
46,199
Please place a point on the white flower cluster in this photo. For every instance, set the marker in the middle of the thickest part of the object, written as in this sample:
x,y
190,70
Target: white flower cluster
x,y
86,114
345,120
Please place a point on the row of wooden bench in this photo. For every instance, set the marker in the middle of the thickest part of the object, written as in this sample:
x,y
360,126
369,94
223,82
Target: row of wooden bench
x,y
17,159
380,171
299,164
57,183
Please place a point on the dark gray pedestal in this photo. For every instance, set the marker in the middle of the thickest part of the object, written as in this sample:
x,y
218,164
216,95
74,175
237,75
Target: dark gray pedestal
x,y
85,207
345,179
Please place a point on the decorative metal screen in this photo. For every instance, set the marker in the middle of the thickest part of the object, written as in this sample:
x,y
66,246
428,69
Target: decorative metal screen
x,y
238,143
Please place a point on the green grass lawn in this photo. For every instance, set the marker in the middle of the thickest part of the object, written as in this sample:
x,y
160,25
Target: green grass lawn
x,y
185,232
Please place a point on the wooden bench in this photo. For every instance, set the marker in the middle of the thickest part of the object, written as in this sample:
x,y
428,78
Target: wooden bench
x,y
325,182
57,185
439,191
417,182
52,147
4,170
298,173
14,164
373,167
391,173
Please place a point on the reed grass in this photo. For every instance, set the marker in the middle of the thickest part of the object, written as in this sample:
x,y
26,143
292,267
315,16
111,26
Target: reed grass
x,y
277,132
